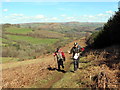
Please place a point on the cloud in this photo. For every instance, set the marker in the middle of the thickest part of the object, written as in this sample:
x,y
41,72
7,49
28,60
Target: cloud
x,y
8,0
54,18
91,16
21,18
70,18
107,14
17,14
5,10
39,16
100,17
110,12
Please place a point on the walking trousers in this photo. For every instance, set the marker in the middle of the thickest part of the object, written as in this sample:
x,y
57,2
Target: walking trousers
x,y
76,64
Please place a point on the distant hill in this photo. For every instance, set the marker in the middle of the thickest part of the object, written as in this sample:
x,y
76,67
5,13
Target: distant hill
x,y
99,28
64,27
70,29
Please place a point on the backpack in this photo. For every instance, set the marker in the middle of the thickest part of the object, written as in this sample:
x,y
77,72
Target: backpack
x,y
83,49
59,55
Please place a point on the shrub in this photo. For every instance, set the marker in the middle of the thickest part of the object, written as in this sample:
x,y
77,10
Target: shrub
x,y
9,52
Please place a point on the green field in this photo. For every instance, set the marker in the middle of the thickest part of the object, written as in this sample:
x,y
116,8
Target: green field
x,y
7,42
16,30
31,39
9,59
4,40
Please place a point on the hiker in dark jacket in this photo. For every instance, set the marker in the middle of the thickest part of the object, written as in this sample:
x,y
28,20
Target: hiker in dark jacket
x,y
60,57
76,49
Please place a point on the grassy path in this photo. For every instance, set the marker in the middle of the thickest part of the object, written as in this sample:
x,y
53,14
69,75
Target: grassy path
x,y
34,73
53,77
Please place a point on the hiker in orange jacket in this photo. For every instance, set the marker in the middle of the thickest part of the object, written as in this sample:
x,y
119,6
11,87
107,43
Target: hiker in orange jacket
x,y
60,57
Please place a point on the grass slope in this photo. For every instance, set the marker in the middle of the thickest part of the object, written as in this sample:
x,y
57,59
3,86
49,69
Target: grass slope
x,y
31,39
16,30
47,34
9,59
79,79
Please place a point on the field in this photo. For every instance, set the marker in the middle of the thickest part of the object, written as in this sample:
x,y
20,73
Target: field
x,y
46,34
9,59
31,39
4,40
17,30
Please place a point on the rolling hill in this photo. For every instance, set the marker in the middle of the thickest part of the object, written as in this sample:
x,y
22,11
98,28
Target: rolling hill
x,y
32,39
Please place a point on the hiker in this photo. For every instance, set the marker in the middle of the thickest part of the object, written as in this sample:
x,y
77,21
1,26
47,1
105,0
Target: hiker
x,y
72,51
60,57
76,50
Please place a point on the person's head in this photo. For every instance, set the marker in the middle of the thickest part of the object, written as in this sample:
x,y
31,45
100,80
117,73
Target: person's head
x,y
75,44
57,49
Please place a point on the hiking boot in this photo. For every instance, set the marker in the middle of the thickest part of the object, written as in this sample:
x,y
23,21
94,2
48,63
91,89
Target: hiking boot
x,y
59,69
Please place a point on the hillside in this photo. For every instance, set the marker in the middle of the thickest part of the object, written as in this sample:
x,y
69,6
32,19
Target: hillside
x,y
30,72
26,43
28,61
106,42
64,26
95,71
31,39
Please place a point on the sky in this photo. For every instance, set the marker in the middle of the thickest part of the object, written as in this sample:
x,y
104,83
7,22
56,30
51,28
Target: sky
x,y
26,12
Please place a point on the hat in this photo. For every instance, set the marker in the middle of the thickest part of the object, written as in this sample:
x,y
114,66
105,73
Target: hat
x,y
75,43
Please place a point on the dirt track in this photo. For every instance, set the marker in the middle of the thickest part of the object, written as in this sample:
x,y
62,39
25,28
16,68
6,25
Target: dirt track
x,y
26,75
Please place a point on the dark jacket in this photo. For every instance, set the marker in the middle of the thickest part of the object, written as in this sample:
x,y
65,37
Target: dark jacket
x,y
75,50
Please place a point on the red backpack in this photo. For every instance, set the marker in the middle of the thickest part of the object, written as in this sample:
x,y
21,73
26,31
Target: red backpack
x,y
82,49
